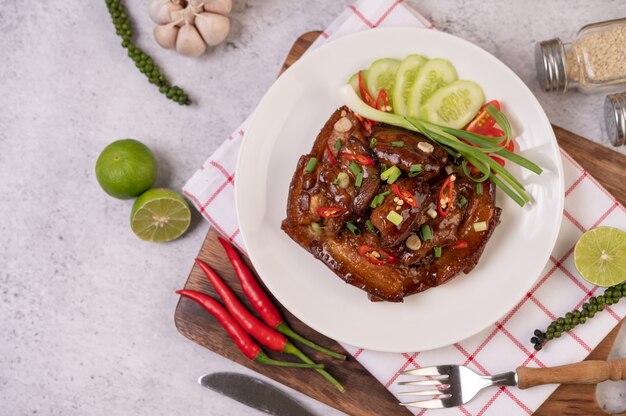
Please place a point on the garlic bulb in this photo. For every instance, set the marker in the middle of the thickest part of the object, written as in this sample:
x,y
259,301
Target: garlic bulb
x,y
161,10
190,25
213,27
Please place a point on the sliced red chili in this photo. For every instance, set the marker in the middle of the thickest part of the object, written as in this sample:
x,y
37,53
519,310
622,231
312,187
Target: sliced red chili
x,y
331,158
444,202
360,159
483,121
459,244
330,212
365,94
382,101
406,196
376,255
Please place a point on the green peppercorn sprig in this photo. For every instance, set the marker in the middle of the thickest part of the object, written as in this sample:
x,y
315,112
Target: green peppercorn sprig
x,y
142,60
611,296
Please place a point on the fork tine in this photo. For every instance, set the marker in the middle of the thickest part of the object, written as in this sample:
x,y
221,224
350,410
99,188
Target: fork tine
x,y
423,383
440,370
423,393
426,404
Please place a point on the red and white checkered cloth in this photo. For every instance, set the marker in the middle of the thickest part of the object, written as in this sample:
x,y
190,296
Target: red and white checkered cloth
x,y
504,346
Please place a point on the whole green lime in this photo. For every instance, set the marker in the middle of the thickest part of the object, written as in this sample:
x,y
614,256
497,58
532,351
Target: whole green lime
x,y
126,168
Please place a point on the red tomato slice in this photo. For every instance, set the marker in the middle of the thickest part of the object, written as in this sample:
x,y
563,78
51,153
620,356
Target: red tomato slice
x,y
483,121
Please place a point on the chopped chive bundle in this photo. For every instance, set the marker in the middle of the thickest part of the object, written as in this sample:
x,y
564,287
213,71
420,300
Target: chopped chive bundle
x,y
354,168
427,232
379,199
311,165
359,180
350,225
395,218
391,174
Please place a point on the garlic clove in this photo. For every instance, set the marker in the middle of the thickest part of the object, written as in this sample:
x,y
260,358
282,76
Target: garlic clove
x,y
222,7
213,27
189,42
166,35
163,13
155,6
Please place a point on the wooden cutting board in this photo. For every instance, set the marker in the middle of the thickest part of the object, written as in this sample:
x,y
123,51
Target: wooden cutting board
x,y
364,394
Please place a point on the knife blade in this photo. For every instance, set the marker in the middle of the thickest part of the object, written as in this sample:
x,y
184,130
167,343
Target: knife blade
x,y
255,393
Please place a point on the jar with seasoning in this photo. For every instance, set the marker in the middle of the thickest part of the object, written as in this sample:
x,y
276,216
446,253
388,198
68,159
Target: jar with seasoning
x,y
595,60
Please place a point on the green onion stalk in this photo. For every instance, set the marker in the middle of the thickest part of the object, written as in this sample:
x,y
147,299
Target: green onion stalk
x,y
453,141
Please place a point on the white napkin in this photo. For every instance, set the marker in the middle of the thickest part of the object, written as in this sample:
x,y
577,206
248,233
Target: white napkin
x,y
503,346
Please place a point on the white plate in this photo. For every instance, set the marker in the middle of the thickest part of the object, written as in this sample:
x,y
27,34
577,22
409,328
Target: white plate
x,y
284,127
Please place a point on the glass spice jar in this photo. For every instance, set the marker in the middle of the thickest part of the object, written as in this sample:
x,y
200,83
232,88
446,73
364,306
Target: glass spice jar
x,y
615,118
595,60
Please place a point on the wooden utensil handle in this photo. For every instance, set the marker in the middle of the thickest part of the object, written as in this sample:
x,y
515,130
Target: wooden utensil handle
x,y
586,372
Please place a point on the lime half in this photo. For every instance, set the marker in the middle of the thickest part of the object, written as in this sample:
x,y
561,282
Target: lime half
x,y
600,256
160,215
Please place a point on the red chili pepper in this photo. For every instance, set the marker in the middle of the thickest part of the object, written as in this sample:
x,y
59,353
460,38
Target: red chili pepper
x,y
236,332
444,202
406,196
330,212
261,332
460,244
264,306
382,101
365,94
360,159
331,158
376,255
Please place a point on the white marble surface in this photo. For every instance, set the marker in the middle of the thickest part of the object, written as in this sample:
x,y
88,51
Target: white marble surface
x,y
86,307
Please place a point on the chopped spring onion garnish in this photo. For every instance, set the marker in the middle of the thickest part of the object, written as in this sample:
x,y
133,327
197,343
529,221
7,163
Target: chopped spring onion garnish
x,y
479,188
480,226
336,181
449,170
370,227
379,199
343,179
431,213
415,170
338,144
395,218
391,174
437,251
354,168
359,180
350,225
427,232
373,142
462,201
315,228
311,165
399,143
475,153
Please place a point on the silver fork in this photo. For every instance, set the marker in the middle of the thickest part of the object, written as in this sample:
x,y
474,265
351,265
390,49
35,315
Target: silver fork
x,y
454,385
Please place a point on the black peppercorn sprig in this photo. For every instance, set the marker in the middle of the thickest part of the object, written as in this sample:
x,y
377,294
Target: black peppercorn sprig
x,y
142,60
611,296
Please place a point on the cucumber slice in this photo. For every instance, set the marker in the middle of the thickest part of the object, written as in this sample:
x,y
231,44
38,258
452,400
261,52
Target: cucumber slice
x,y
454,105
433,75
405,77
382,74
354,81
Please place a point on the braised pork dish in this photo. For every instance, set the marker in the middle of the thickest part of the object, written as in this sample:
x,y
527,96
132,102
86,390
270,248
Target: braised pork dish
x,y
386,209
